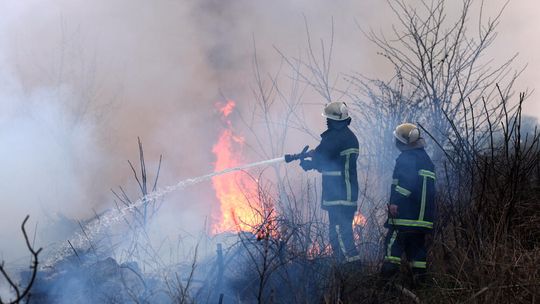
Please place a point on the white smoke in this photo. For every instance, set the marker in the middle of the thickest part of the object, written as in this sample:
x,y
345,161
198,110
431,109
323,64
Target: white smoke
x,y
80,80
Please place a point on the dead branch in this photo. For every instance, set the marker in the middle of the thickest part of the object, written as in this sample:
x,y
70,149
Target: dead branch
x,y
25,293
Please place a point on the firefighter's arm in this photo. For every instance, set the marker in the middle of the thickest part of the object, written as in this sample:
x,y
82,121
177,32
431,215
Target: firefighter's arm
x,y
393,210
403,184
322,153
308,163
305,164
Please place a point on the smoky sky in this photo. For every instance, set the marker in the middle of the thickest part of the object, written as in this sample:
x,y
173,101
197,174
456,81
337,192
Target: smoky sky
x,y
81,80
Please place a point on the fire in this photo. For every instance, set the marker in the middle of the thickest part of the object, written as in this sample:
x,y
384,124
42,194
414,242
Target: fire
x,y
235,191
316,250
359,219
227,109
359,222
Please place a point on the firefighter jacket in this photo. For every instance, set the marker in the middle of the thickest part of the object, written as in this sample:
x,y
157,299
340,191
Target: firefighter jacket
x,y
335,157
413,191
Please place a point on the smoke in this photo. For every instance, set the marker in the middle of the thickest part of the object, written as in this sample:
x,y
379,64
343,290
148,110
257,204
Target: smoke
x,y
81,80
48,163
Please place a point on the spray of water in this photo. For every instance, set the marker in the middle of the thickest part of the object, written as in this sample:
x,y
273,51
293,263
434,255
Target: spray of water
x,y
83,238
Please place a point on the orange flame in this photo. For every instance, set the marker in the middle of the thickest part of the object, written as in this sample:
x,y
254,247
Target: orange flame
x,y
359,219
359,222
316,250
227,108
234,190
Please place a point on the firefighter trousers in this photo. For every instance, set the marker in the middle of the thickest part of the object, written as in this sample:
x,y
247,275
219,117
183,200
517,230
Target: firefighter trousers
x,y
398,242
341,233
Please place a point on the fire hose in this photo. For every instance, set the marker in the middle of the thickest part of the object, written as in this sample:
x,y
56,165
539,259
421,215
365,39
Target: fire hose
x,y
93,228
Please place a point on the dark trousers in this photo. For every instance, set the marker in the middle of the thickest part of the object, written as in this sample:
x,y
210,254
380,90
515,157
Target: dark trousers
x,y
341,233
398,242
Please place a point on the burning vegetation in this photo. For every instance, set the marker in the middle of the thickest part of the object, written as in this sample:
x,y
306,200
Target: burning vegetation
x,y
268,240
237,192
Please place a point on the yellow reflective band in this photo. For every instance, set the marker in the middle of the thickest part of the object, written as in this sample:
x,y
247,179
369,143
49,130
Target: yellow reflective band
x,y
354,258
423,200
418,264
427,173
341,244
339,203
402,191
391,243
348,177
410,223
392,259
349,151
331,173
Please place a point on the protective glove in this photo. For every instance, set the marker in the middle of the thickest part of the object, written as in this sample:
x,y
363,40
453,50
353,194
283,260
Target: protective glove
x,y
291,157
307,165
393,210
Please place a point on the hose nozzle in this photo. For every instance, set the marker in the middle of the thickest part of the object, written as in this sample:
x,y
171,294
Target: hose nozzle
x,y
300,156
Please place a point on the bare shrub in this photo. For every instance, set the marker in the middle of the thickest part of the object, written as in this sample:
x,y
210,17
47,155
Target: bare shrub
x,y
22,292
486,245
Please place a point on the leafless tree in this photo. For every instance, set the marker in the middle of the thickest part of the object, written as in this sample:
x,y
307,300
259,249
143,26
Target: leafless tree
x,y
438,62
442,80
77,66
22,293
315,67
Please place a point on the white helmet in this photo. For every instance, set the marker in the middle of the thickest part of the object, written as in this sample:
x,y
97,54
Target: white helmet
x,y
336,110
407,133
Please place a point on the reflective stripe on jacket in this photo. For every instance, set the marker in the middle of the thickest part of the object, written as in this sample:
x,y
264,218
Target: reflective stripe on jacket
x,y
335,158
413,191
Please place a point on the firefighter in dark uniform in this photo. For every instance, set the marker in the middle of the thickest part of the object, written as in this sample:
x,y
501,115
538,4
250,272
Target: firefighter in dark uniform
x,y
411,207
335,158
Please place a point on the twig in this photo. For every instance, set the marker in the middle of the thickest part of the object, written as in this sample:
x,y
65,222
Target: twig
x,y
34,267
